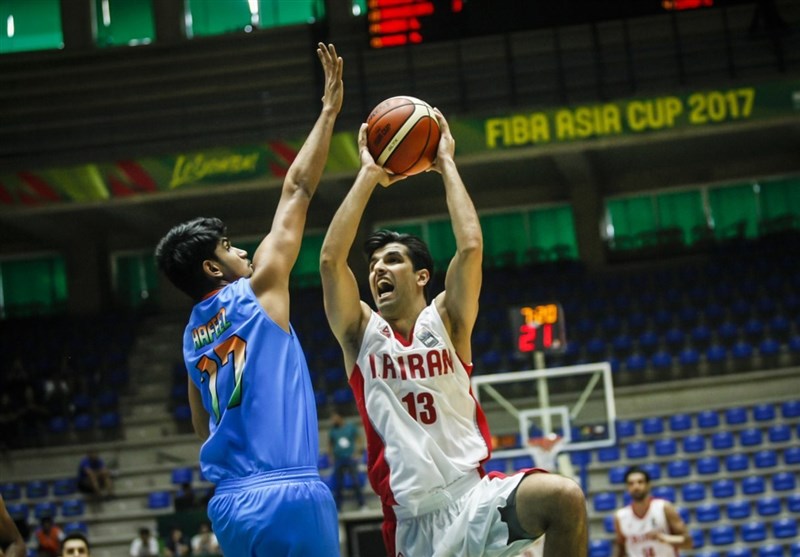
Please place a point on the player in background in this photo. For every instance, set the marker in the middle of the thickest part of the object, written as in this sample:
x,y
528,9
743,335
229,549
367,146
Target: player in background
x,y
409,367
249,388
11,542
648,526
75,544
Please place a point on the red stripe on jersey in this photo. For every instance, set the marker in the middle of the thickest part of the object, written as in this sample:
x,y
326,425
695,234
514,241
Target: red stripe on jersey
x,y
377,467
483,427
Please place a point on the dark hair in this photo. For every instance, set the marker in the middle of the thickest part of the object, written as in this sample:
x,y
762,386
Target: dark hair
x,y
418,250
181,252
75,536
637,470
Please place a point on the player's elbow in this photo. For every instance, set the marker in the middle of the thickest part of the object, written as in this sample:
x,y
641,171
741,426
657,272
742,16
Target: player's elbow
x,y
329,261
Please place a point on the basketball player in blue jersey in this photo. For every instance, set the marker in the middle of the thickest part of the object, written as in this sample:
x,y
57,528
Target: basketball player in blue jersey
x,y
249,388
409,366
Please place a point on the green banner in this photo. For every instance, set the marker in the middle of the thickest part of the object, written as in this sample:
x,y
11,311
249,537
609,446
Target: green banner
x,y
217,167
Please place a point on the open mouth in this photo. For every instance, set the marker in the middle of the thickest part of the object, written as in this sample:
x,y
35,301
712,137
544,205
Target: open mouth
x,y
384,288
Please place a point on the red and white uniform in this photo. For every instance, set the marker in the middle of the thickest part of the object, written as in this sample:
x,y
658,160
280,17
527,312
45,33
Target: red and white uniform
x,y
426,440
635,530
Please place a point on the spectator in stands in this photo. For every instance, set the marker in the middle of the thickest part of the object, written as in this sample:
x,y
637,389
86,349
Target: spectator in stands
x,y
250,392
94,477
185,498
177,545
204,542
144,545
648,526
12,544
48,538
75,544
343,437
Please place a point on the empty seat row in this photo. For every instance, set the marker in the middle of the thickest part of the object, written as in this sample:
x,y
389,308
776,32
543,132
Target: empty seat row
x,y
710,419
713,464
67,508
754,531
694,444
38,489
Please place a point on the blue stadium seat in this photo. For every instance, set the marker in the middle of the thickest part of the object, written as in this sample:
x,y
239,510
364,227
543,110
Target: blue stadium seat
x,y
679,468
767,458
661,360
10,491
522,462
707,512
698,538
579,458
83,423
708,465
722,440
770,550
653,469
637,449
751,437
694,444
652,426
683,512
689,357
769,349
44,509
794,549
665,447
716,356
737,510
182,413
605,501
18,511
707,419
753,330
785,528
78,526
648,342
768,506
742,354
723,488
664,492
736,415
182,475
680,422
779,433
793,502
37,489
701,337
635,363
755,531
708,552
722,534
608,524
58,425
72,507
790,409
791,455
784,481
109,421
727,333
65,486
675,339
693,491
626,428
736,462
608,454
616,475
159,500
495,465
753,485
324,461
600,548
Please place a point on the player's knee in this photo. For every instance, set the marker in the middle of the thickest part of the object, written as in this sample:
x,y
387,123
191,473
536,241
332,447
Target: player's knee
x,y
550,500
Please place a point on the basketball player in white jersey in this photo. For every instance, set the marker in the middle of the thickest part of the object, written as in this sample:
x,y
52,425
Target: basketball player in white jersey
x,y
409,366
648,527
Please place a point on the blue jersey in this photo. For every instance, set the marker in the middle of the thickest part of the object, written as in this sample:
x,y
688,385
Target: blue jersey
x,y
255,386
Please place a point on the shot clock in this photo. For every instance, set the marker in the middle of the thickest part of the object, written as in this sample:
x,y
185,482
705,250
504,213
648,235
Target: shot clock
x,y
538,328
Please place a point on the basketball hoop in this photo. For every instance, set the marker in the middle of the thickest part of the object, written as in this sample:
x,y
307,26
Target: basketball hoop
x,y
545,451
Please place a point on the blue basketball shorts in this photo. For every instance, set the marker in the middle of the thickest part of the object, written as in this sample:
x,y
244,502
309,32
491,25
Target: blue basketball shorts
x,y
282,513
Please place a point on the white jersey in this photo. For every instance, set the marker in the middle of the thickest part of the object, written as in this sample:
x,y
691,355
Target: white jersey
x,y
636,528
424,428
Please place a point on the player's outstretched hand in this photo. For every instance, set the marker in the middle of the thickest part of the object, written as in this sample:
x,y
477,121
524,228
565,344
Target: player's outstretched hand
x,y
334,87
447,143
385,178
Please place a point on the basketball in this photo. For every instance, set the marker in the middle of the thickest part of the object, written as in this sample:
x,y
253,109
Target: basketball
x,y
403,135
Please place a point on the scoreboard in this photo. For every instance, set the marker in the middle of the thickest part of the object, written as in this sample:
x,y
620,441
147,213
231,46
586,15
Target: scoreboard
x,y
394,23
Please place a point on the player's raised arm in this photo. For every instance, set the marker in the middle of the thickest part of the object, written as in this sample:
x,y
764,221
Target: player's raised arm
x,y
277,254
346,314
459,301
11,540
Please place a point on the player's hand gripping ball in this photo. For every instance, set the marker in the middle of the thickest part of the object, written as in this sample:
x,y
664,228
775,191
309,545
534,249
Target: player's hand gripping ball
x,y
403,135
